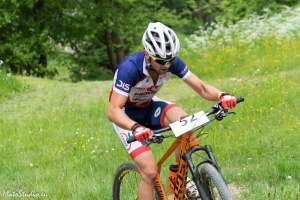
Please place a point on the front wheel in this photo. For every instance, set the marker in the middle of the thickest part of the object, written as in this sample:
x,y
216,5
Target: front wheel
x,y
214,183
126,182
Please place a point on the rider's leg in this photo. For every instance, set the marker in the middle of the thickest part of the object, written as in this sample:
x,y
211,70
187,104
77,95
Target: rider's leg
x,y
144,159
174,114
148,169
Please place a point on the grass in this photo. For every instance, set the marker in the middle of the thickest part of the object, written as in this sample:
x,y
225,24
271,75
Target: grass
x,y
265,55
62,62
52,135
70,70
9,86
56,138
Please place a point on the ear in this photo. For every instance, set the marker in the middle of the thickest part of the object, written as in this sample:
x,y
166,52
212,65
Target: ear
x,y
146,54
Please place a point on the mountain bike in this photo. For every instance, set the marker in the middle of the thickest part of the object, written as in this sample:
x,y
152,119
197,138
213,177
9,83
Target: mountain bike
x,y
205,174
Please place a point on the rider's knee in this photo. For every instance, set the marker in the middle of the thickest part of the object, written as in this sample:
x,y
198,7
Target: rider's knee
x,y
149,173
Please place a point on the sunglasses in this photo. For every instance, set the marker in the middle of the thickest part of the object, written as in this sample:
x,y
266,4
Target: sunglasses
x,y
162,61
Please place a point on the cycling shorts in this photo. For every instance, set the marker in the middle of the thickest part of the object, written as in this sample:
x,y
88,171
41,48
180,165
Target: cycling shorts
x,y
152,116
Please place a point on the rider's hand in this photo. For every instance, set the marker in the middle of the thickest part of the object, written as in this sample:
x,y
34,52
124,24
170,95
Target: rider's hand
x,y
227,101
141,133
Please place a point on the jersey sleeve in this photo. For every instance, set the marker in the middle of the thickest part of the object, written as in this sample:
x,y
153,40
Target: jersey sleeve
x,y
179,68
126,76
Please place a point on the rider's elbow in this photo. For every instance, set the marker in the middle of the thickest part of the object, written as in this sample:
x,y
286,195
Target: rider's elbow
x,y
110,113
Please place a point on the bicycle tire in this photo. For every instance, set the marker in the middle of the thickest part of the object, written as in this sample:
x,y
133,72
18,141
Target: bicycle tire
x,y
214,183
122,172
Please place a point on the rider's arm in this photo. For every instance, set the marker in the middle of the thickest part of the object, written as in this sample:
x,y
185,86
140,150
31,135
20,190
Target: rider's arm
x,y
205,90
116,114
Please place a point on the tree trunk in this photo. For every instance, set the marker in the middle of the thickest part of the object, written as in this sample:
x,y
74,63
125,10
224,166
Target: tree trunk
x,y
119,48
110,50
39,4
43,60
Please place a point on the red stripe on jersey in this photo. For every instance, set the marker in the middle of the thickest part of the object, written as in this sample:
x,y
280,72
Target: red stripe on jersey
x,y
163,114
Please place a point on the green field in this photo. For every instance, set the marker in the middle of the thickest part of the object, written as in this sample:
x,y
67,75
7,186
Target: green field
x,y
55,138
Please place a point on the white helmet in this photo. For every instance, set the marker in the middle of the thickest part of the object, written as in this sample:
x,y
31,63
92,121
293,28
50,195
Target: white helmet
x,y
160,41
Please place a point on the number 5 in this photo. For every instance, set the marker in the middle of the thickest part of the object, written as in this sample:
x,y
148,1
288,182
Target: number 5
x,y
185,121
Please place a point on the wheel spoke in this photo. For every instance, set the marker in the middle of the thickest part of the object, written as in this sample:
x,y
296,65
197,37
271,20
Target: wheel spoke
x,y
214,183
129,185
214,191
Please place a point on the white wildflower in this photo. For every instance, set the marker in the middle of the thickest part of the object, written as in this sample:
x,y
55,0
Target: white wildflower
x,y
284,25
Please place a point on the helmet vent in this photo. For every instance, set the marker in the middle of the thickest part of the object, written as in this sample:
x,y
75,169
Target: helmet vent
x,y
160,40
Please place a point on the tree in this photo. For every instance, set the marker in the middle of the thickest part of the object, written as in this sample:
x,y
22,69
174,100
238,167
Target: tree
x,y
112,29
25,29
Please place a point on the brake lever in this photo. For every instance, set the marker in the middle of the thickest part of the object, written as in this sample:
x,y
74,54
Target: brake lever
x,y
157,138
220,115
223,113
229,113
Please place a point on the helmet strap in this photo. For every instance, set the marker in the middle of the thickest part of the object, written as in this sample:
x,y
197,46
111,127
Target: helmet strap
x,y
149,66
148,63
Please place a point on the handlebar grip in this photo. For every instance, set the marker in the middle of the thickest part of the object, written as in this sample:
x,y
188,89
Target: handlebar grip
x,y
130,140
240,99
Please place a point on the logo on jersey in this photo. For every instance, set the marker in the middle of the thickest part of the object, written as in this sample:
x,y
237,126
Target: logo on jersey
x,y
185,70
153,88
157,112
125,136
123,85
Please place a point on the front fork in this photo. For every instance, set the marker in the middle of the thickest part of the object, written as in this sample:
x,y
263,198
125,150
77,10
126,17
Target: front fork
x,y
194,168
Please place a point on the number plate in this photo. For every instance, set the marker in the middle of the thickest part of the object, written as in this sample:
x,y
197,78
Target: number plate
x,y
189,123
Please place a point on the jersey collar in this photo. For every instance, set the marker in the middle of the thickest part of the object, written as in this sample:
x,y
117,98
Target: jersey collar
x,y
145,70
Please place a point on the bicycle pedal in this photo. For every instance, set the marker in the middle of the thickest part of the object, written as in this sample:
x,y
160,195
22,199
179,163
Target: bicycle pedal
x,y
191,189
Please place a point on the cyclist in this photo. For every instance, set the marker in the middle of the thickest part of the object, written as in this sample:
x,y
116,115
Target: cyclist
x,y
133,108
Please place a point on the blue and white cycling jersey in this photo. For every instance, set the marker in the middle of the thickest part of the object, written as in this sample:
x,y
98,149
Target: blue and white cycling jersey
x,y
133,80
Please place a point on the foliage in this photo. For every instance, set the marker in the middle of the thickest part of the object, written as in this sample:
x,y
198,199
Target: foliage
x,y
234,10
101,33
121,25
9,86
25,27
255,45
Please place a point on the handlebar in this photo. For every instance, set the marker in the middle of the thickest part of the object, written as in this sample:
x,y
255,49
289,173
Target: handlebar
x,y
240,100
216,109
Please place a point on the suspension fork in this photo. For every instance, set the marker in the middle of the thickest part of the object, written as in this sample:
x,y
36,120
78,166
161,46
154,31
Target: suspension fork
x,y
196,177
208,150
211,156
213,160
194,169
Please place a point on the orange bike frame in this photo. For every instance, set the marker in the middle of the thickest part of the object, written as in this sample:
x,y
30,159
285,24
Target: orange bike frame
x,y
180,183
